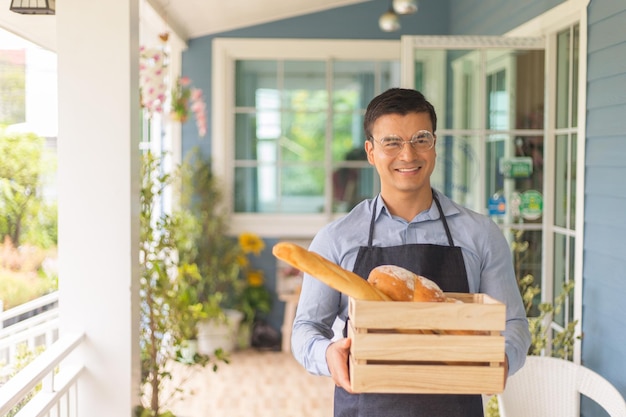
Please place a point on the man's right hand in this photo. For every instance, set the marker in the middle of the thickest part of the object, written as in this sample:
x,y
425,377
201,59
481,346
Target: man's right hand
x,y
337,360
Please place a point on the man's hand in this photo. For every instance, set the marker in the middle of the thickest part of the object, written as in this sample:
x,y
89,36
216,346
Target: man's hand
x,y
337,360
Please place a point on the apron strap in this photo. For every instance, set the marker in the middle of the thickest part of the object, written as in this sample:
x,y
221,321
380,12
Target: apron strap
x,y
443,219
372,221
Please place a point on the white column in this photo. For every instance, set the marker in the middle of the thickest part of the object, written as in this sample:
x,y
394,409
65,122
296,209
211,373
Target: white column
x,y
98,183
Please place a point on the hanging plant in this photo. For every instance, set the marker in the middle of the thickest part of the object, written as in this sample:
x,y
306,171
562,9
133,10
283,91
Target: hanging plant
x,y
185,100
154,83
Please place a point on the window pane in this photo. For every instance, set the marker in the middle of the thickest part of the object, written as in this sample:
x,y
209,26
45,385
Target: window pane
x,y
267,189
245,136
527,253
572,190
304,136
388,75
252,76
562,79
561,260
529,89
457,169
305,86
561,183
571,277
351,186
514,172
498,102
302,189
348,136
353,84
575,52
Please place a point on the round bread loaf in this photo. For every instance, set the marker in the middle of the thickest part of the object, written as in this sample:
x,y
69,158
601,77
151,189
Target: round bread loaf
x,y
400,284
427,290
396,282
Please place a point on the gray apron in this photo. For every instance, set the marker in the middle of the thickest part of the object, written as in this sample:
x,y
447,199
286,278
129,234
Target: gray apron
x,y
445,266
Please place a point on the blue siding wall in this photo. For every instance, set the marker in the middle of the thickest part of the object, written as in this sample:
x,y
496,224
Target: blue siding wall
x,y
493,17
604,279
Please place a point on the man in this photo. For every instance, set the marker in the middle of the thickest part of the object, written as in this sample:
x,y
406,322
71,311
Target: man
x,y
411,225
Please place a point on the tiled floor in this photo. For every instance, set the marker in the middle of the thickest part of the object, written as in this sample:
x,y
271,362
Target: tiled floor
x,y
254,384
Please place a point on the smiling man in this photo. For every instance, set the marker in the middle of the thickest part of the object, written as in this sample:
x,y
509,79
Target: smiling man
x,y
414,226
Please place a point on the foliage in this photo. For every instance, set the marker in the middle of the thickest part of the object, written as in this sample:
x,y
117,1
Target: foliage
x,y
215,271
164,315
153,81
25,165
23,356
211,276
12,94
256,300
26,273
562,342
181,94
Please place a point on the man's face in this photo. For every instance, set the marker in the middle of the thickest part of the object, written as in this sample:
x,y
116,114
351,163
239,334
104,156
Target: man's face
x,y
409,171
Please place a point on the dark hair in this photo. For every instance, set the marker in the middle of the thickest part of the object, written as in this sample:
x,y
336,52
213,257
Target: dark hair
x,y
397,101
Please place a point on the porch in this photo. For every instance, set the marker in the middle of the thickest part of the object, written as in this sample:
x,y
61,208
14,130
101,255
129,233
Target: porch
x,y
254,383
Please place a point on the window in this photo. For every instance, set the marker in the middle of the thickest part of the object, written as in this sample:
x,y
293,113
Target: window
x,y
565,161
294,156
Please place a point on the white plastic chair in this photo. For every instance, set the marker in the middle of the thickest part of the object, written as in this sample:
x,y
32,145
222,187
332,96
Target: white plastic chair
x,y
551,387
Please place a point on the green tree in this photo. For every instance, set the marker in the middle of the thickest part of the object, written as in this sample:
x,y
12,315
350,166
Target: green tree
x,y
12,93
25,165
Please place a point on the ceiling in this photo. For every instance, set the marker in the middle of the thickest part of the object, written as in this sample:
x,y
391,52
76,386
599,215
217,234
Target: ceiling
x,y
189,18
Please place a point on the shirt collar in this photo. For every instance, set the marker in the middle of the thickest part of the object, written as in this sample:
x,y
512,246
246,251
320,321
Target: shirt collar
x,y
447,206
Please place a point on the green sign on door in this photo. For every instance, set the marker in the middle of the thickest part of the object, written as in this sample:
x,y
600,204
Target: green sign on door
x,y
519,167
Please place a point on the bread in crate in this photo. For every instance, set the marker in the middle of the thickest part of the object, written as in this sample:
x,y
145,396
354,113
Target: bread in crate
x,y
419,342
427,347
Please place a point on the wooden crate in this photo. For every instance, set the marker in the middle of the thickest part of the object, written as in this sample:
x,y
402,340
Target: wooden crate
x,y
437,348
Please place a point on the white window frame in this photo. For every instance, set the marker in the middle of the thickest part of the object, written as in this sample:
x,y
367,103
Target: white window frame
x,y
225,53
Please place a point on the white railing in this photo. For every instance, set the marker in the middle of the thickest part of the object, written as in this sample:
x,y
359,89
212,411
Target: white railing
x,y
46,386
58,382
38,330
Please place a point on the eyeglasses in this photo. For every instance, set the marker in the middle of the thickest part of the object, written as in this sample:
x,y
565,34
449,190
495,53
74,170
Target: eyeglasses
x,y
422,141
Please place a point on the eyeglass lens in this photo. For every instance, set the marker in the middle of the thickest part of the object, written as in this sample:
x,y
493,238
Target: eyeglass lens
x,y
421,142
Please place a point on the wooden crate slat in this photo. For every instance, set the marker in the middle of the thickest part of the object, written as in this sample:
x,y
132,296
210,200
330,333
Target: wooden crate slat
x,y
416,347
405,379
426,315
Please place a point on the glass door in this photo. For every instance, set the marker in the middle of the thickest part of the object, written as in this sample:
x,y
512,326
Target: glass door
x,y
489,96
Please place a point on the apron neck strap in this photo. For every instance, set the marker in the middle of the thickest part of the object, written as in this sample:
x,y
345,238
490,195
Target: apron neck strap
x,y
443,220
372,221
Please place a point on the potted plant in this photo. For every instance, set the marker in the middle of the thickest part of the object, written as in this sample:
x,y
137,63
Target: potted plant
x,y
212,283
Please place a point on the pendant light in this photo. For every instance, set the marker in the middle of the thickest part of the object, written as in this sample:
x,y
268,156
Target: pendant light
x,y
33,6
389,21
405,6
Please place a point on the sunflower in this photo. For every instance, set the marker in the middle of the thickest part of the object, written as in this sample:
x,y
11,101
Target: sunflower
x,y
251,243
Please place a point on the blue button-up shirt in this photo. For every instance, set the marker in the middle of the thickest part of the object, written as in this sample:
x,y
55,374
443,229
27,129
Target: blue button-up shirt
x,y
322,310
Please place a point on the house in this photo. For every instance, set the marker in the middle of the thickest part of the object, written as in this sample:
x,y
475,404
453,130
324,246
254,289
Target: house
x,y
585,101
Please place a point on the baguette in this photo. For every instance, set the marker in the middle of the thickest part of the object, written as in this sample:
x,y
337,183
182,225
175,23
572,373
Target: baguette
x,y
329,273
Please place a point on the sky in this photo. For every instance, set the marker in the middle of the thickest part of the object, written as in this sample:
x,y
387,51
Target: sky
x,y
41,86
